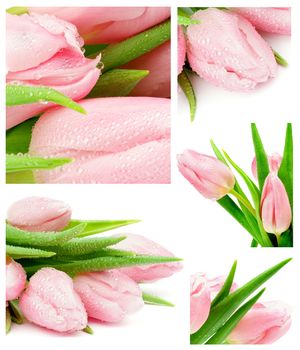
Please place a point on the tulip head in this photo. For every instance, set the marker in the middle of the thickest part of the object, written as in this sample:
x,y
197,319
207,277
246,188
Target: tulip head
x,y
275,207
211,177
50,301
263,324
15,279
144,246
274,164
109,295
39,214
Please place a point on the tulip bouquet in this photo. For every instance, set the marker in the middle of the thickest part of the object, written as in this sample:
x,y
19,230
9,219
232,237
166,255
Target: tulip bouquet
x,y
87,95
268,215
73,279
224,47
222,313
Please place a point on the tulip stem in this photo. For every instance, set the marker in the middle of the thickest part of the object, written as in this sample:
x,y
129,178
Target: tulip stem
x,y
246,203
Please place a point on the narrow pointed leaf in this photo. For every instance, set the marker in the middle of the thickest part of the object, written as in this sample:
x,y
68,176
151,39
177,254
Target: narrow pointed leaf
x,y
221,312
20,177
154,300
186,21
17,10
16,252
88,330
116,55
280,60
7,321
15,312
15,236
22,94
117,82
187,88
224,331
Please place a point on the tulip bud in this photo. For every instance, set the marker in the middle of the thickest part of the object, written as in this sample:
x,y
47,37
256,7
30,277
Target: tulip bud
x,y
144,246
275,207
50,301
39,214
15,279
211,177
263,324
274,164
109,295
275,20
225,49
120,140
181,49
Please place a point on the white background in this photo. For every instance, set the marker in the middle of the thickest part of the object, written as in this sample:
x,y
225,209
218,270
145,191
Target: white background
x,y
176,215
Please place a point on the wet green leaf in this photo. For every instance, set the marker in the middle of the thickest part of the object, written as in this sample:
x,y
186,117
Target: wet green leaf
x,y
155,300
187,88
16,252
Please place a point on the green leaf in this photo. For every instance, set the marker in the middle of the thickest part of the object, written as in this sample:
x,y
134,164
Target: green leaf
x,y
24,162
17,10
154,300
224,331
22,94
88,330
20,177
187,88
225,290
92,51
222,311
117,82
8,321
102,263
23,252
18,138
285,172
116,55
186,21
15,312
15,236
262,162
93,227
279,59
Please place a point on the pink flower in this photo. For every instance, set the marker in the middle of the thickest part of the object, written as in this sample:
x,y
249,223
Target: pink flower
x,y
120,140
275,207
15,279
39,214
144,246
109,295
158,63
181,49
225,49
51,56
50,301
263,324
268,19
211,177
274,164
104,25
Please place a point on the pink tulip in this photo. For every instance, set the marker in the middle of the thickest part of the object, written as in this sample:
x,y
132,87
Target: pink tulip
x,y
109,295
211,177
225,49
120,140
275,207
50,301
144,246
274,164
104,25
39,214
181,49
158,63
51,54
15,279
263,324
268,19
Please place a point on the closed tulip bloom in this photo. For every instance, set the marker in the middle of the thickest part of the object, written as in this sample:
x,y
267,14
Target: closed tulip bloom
x,y
120,140
158,63
181,49
225,49
211,177
50,301
15,279
104,25
144,246
275,20
39,214
108,296
51,51
263,324
275,207
274,164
